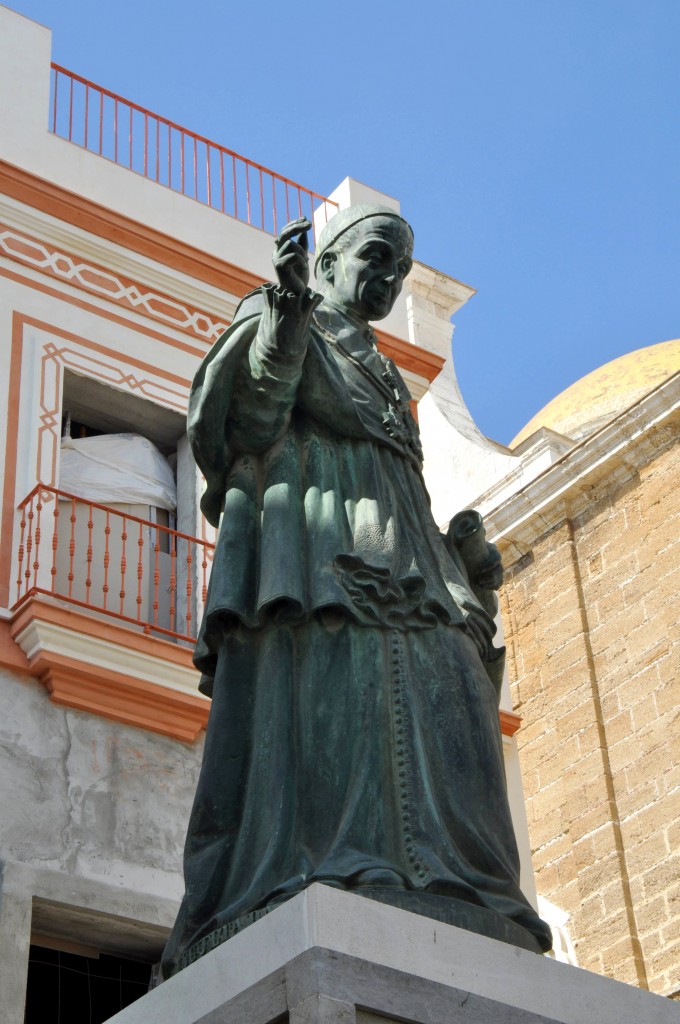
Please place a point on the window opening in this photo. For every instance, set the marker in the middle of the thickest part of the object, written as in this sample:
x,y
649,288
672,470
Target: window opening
x,y
66,988
122,452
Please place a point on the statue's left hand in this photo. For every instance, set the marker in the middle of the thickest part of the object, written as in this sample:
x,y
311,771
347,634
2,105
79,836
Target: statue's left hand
x,y
291,257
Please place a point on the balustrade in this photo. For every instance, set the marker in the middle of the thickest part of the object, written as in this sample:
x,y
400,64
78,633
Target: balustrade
x,y
133,137
111,562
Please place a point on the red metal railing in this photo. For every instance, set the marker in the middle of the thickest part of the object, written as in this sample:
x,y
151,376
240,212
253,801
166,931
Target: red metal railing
x,y
112,563
167,153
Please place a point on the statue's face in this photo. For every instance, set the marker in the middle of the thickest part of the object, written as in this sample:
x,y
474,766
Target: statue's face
x,y
366,277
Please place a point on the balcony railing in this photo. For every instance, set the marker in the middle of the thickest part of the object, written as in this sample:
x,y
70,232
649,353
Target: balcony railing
x,y
111,563
151,145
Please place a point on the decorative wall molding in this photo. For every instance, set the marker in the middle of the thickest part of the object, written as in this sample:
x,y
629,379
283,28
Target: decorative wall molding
x,y
41,374
108,670
115,227
112,369
615,451
97,280
419,365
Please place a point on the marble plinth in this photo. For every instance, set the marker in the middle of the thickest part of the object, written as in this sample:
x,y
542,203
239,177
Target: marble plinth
x,y
330,957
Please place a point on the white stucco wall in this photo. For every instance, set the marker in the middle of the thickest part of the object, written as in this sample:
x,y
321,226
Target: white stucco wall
x,y
94,816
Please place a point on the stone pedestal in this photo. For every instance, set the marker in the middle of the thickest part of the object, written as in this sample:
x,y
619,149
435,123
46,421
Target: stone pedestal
x,y
330,957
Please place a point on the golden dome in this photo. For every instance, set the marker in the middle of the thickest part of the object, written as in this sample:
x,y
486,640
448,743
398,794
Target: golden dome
x,y
599,396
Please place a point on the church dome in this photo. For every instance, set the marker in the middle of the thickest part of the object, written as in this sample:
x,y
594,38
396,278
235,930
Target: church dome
x,y
599,396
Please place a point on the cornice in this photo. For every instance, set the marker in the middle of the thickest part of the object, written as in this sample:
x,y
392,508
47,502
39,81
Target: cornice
x,y
616,450
115,227
444,293
116,259
410,357
86,216
111,671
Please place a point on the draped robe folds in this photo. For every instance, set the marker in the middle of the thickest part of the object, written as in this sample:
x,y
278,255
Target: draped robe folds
x,y
353,731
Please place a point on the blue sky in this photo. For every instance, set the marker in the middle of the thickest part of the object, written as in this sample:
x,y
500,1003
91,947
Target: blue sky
x,y
534,145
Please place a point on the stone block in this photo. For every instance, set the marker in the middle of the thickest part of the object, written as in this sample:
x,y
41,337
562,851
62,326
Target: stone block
x,y
650,915
590,741
578,718
624,753
553,768
546,828
543,800
582,854
659,877
664,536
610,704
570,686
635,792
595,878
619,727
574,806
612,662
591,914
667,696
673,833
329,957
569,652
548,881
558,587
645,711
670,780
554,852
647,854
670,934
583,769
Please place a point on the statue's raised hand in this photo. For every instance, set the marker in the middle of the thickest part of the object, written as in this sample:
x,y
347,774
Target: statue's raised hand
x,y
291,256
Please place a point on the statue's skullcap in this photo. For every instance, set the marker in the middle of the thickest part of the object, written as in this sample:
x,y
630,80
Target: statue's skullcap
x,y
346,219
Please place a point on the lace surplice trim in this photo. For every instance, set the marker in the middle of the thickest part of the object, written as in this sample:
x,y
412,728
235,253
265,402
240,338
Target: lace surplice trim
x,y
382,598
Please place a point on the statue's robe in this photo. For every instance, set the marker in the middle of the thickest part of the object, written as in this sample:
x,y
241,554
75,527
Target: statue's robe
x,y
353,727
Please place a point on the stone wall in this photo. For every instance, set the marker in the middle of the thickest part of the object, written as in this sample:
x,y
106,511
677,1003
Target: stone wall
x,y
591,618
94,816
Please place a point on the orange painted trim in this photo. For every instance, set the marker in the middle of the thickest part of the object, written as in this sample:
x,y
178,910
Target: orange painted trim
x,y
108,285
94,346
11,655
80,622
100,311
510,722
410,357
9,482
130,701
19,321
115,227
107,692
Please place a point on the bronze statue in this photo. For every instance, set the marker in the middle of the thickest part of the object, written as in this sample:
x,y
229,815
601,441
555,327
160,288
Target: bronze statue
x,y
353,738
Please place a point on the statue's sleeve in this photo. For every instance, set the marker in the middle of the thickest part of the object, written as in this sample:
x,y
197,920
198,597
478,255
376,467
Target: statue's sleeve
x,y
247,382
267,384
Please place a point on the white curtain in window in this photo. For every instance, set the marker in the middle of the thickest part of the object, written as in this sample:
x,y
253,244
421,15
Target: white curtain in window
x,y
116,468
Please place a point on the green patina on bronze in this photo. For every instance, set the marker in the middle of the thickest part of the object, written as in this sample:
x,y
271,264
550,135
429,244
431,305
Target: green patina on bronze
x,y
347,645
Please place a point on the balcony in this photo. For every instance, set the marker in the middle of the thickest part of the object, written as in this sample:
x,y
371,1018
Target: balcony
x,y
107,608
151,145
